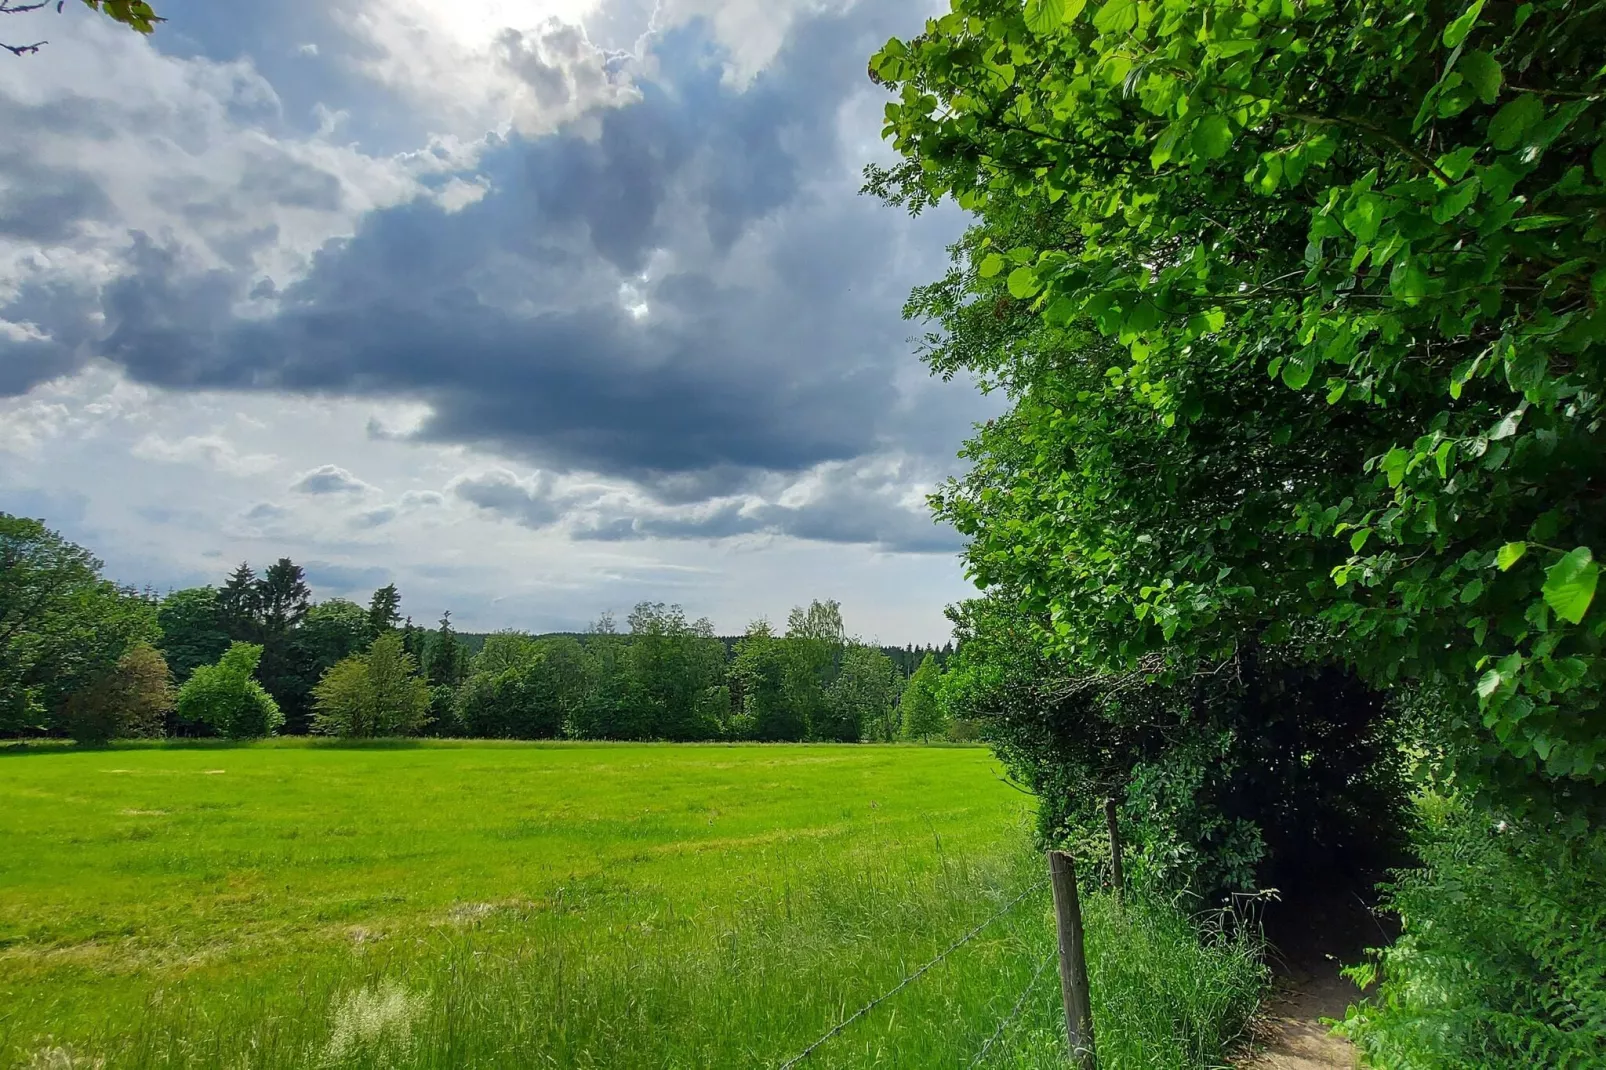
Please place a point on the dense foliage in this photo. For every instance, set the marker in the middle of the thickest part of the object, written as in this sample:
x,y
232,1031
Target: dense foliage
x,y
1299,307
227,699
62,626
131,699
1501,961
372,695
922,717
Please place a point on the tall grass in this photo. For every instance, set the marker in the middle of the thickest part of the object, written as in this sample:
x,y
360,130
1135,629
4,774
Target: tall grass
x,y
674,952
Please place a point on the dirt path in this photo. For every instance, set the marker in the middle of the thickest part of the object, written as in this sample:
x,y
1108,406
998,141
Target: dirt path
x,y
1291,1036
1312,936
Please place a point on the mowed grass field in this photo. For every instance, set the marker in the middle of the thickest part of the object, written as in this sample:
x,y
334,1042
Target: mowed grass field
x,y
294,904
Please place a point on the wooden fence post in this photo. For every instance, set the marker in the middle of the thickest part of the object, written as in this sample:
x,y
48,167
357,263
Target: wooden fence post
x,y
1117,874
1073,961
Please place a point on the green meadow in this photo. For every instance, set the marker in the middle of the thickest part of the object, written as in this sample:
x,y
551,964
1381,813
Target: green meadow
x,y
293,904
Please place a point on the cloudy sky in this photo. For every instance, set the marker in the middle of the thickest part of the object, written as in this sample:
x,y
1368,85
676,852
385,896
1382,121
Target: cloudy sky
x,y
534,307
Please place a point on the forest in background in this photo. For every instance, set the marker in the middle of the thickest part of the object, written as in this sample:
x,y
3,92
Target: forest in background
x,y
88,659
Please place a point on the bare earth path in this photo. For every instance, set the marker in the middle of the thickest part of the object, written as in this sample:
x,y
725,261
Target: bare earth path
x,y
1313,935
1292,1036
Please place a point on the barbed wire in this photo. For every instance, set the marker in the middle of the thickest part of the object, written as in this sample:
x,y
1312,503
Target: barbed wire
x,y
1014,1011
911,978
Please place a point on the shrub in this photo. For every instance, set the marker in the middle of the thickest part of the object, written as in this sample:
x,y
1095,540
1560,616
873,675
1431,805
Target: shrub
x,y
375,694
129,699
922,713
1502,961
227,699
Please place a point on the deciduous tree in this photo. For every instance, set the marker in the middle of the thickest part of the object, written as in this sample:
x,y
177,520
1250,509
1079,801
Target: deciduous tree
x,y
61,625
227,698
373,695
1300,309
193,632
919,707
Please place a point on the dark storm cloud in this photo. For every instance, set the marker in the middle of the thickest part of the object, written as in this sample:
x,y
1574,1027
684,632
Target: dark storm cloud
x,y
845,506
45,204
529,502
506,316
681,291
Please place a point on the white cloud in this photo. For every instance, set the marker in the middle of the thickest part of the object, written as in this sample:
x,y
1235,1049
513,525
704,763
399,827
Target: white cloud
x,y
330,479
211,450
480,65
193,151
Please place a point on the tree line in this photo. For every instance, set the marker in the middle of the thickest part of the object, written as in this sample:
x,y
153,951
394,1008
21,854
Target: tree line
x,y
84,658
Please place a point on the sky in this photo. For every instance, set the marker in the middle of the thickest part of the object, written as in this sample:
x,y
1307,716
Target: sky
x,y
535,308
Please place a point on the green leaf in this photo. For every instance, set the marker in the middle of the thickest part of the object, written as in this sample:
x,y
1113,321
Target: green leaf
x,y
1514,120
1488,684
1453,200
1044,17
1482,72
1023,283
1441,457
990,265
1212,137
1166,145
1298,368
1364,217
1457,31
1117,16
1506,427
1358,540
1060,312
1471,592
1570,584
1510,554
1408,280
1394,465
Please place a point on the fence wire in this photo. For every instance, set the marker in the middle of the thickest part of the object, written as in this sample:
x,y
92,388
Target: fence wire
x,y
910,979
1014,1011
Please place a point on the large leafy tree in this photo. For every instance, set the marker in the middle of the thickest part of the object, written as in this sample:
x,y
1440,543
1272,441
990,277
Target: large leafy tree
x,y
760,673
130,699
227,699
1300,308
193,632
919,706
864,695
522,688
815,640
678,668
62,627
375,694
